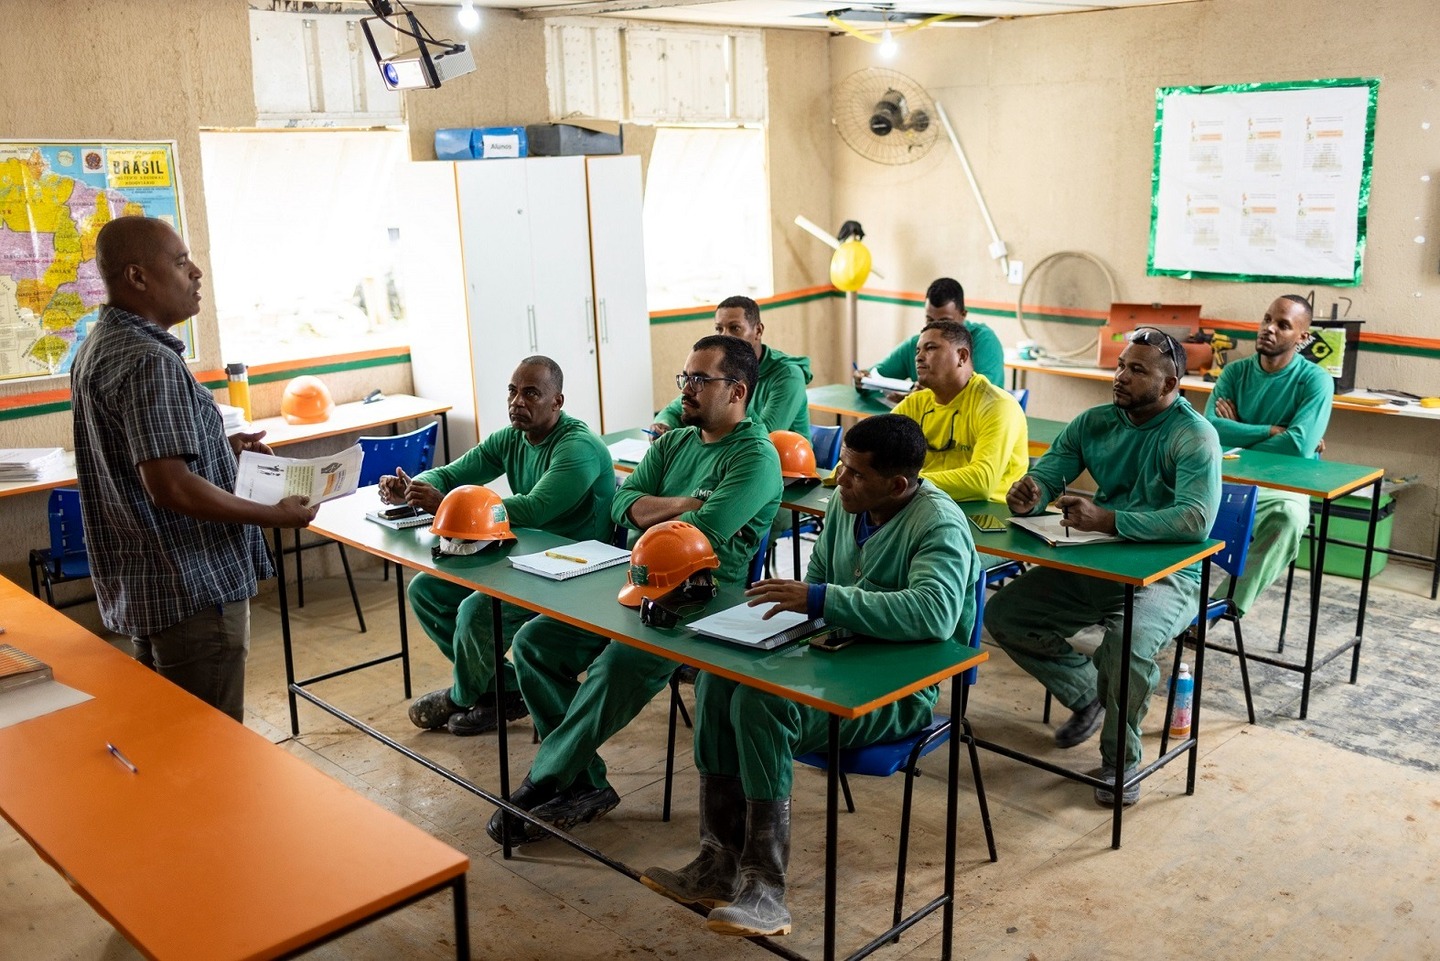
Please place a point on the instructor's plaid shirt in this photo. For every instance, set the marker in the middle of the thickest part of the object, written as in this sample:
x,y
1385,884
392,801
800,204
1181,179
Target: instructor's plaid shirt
x,y
134,400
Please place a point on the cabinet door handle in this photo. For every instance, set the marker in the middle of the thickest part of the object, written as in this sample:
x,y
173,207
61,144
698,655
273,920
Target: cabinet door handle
x,y
530,324
604,323
589,320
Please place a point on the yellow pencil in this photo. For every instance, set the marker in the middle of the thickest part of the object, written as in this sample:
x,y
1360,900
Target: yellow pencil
x,y
566,557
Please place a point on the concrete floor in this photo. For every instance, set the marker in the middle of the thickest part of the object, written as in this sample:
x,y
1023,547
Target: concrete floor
x,y
1313,839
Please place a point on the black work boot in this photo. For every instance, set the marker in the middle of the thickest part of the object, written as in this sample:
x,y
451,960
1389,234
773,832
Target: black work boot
x,y
759,907
713,878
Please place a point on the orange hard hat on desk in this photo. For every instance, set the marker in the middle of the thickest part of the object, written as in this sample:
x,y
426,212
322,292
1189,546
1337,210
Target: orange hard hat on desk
x,y
469,518
797,456
306,401
664,557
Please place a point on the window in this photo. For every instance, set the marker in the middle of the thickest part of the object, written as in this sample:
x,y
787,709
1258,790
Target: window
x,y
304,243
707,217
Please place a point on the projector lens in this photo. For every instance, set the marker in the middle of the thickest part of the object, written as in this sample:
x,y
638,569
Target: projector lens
x,y
392,76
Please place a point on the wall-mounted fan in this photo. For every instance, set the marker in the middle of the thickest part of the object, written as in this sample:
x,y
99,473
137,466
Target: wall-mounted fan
x,y
885,116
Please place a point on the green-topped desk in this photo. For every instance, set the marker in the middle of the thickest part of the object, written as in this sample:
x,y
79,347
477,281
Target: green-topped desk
x,y
1327,481
844,684
843,400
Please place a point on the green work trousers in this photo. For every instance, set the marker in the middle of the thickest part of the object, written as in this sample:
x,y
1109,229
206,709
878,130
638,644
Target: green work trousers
x,y
1033,617
1280,521
745,732
573,717
460,622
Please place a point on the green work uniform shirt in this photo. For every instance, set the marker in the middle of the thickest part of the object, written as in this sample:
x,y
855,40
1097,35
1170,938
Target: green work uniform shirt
x,y
1297,397
986,353
779,402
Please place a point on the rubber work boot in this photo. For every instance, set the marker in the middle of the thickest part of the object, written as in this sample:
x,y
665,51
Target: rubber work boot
x,y
713,878
759,908
484,717
1082,725
431,711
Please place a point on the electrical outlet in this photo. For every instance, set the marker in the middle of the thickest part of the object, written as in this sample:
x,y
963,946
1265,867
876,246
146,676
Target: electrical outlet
x,y
1017,273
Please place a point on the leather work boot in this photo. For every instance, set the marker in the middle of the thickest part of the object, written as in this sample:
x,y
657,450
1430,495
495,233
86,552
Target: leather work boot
x,y
577,804
713,878
759,907
1082,725
431,711
484,717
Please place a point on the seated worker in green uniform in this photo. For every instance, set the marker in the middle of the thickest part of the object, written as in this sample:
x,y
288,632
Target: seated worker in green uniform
x,y
563,481
896,563
779,399
1156,465
976,441
720,473
1278,402
945,300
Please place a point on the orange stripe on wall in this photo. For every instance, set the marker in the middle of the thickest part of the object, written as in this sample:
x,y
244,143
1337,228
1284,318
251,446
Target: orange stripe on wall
x,y
31,400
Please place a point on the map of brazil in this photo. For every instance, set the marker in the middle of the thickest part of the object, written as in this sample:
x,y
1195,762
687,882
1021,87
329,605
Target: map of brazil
x,y
54,198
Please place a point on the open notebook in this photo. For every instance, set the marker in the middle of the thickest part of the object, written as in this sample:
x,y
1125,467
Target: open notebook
x,y
745,626
1048,528
571,560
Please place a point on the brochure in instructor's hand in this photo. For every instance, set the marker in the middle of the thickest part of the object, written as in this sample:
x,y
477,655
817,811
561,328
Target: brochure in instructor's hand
x,y
1050,529
267,478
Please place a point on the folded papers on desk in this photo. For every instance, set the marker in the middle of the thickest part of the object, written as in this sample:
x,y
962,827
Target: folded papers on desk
x,y
1051,529
631,450
746,626
571,560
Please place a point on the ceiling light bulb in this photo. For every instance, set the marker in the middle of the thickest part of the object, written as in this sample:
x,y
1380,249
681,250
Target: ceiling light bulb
x,y
888,46
468,17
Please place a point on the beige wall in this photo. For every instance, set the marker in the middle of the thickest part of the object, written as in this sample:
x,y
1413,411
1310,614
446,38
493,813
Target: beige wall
x,y
1056,115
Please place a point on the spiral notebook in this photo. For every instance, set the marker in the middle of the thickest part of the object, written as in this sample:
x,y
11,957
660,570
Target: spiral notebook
x,y
571,560
745,625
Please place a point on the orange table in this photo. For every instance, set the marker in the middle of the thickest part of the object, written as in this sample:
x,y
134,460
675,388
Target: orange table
x,y
221,846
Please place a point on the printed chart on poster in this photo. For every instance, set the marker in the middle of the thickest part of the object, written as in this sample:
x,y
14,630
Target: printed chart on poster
x,y
54,198
1263,181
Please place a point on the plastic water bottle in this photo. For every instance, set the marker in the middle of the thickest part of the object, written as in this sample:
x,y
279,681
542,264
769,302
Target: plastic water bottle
x,y
1184,699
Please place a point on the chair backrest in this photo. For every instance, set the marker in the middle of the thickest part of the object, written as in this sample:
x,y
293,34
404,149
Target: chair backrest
x,y
757,563
67,531
826,442
1021,394
1234,525
412,453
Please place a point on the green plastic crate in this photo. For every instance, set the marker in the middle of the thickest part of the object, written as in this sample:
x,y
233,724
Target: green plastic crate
x,y
1349,518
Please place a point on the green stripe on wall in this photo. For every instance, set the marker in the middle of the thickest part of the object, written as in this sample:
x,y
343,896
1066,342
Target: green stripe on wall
x,y
60,407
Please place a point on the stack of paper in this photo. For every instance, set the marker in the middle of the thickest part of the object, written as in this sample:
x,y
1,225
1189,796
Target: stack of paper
x,y
894,385
234,418
31,464
572,560
631,450
747,626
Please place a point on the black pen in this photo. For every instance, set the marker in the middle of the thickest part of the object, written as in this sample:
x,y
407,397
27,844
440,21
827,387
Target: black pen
x,y
115,753
1064,513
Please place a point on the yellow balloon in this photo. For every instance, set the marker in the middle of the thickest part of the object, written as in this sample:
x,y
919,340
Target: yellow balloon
x,y
850,267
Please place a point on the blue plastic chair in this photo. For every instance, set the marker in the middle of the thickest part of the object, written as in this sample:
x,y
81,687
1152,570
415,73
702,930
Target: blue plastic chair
x,y
904,754
1021,394
413,452
1235,524
66,558
825,442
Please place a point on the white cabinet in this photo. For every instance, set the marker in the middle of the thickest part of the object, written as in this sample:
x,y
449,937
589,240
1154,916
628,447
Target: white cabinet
x,y
529,232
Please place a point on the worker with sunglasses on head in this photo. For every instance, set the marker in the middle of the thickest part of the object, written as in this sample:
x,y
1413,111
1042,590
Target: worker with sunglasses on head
x,y
977,443
1156,465
720,473
1278,402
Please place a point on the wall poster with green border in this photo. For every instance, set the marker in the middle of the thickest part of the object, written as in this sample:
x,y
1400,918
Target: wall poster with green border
x,y
1262,181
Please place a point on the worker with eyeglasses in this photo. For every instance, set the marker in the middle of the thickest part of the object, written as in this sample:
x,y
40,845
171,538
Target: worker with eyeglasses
x,y
977,442
719,472
1156,465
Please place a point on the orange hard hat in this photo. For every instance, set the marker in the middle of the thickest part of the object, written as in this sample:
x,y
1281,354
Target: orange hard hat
x,y
797,457
469,519
306,401
664,557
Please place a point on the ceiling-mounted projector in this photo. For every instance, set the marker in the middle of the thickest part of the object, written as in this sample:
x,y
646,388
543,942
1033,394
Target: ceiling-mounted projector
x,y
430,64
